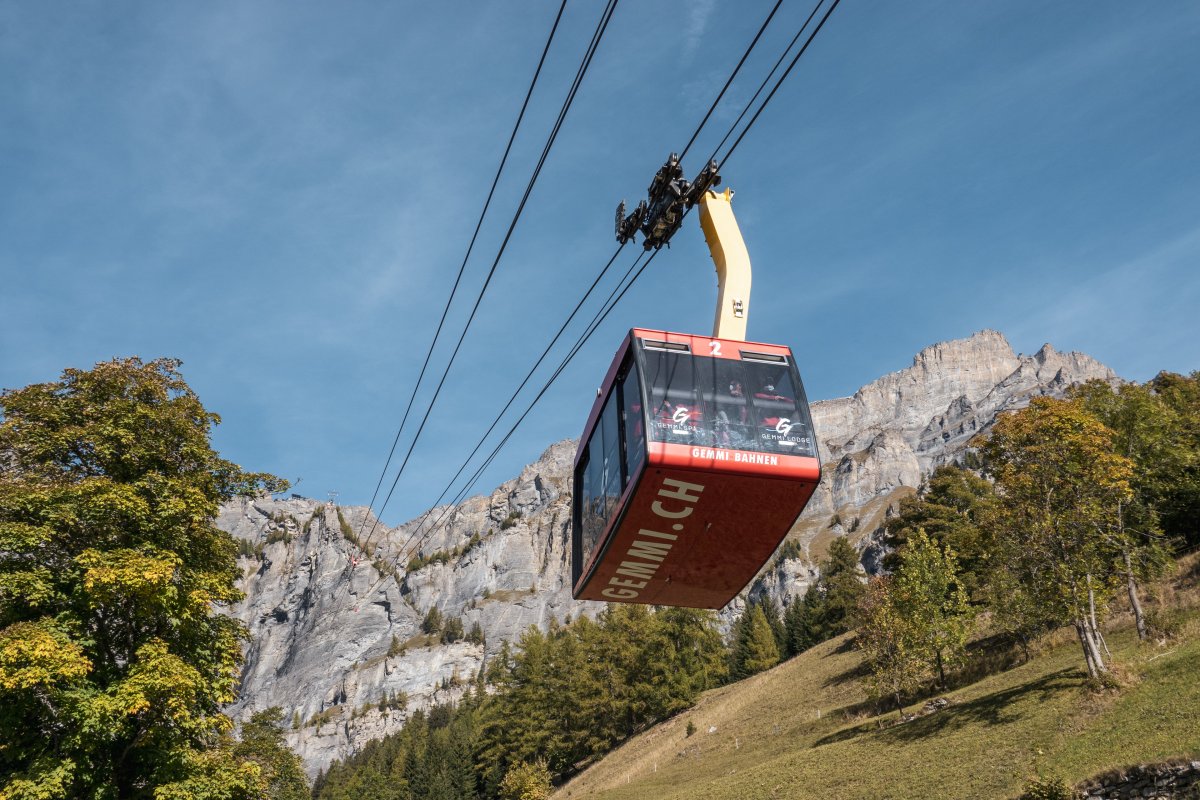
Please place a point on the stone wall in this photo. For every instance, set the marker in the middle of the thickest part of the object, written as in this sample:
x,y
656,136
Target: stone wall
x,y
1168,780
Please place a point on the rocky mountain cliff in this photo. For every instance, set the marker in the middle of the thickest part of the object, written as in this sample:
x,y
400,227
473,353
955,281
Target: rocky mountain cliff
x,y
334,601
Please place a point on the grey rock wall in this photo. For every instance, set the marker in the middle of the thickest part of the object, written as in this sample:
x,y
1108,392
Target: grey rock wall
x,y
324,608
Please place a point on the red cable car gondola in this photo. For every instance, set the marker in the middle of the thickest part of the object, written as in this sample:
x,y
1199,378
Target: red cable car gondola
x,y
697,457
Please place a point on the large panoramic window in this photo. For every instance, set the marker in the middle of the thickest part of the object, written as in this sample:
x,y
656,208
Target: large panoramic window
x,y
741,404
632,420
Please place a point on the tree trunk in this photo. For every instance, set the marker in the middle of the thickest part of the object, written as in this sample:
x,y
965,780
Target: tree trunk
x,y
941,670
1097,636
1087,651
1131,584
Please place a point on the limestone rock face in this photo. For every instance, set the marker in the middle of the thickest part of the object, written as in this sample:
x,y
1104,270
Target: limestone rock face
x,y
335,601
335,613
878,445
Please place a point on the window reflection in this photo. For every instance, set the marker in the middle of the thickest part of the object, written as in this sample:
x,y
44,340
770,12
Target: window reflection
x,y
635,431
722,402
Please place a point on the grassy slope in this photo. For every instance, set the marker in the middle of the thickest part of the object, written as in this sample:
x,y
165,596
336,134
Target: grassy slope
x,y
1001,731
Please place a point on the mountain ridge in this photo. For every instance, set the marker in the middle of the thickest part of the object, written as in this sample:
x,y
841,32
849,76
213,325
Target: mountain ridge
x,y
324,649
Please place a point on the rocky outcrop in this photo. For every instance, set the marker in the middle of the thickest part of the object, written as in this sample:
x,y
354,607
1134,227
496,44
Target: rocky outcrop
x,y
1173,779
879,444
335,601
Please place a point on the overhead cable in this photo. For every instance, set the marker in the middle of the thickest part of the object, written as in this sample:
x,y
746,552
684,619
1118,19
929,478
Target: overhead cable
x,y
613,301
462,267
589,54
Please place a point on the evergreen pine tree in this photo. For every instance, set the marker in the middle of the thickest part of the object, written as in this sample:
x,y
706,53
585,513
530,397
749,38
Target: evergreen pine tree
x,y
755,649
775,620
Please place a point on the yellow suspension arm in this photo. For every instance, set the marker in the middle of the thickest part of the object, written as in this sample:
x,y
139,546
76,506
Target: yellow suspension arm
x,y
729,253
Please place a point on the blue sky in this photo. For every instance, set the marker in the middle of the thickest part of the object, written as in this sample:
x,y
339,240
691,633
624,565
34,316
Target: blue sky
x,y
280,194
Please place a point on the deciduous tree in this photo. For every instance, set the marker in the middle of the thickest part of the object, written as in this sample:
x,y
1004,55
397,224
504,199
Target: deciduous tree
x,y
1061,488
928,593
113,664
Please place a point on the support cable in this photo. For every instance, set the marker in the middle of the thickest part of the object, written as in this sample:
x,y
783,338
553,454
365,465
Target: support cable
x,y
729,81
599,318
612,302
589,54
470,247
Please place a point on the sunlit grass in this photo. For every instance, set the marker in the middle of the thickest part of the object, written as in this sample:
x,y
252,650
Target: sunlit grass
x,y
763,737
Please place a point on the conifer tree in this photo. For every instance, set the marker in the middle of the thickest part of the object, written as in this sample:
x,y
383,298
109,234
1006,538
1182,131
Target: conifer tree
x,y
804,622
775,620
830,606
432,623
452,630
755,649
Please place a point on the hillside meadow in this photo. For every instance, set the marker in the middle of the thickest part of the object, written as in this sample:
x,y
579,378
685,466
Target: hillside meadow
x,y
807,728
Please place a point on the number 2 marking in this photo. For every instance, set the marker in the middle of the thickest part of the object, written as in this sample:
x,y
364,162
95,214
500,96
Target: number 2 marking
x,y
714,348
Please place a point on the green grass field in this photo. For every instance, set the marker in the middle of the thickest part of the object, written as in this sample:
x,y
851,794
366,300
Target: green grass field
x,y
805,729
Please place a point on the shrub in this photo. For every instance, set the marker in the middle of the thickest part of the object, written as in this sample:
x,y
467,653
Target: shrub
x,y
347,531
452,630
1164,623
433,621
1047,789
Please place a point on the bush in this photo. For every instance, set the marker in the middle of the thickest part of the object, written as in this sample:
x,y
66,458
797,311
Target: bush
x,y
510,521
347,531
1164,623
525,781
1048,789
452,631
433,621
691,728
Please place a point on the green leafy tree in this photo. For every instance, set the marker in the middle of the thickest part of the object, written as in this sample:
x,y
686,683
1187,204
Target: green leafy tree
x,y
262,744
929,594
1058,532
1154,436
949,508
113,664
1177,497
1157,425
889,643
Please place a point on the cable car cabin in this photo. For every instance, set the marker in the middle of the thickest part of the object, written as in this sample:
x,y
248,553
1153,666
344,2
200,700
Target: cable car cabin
x,y
696,460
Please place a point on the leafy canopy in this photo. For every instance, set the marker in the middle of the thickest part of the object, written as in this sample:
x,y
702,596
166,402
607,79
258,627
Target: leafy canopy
x,y
113,666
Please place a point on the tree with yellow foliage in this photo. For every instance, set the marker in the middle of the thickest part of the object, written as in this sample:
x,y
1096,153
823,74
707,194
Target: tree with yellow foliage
x,y
113,664
1061,487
